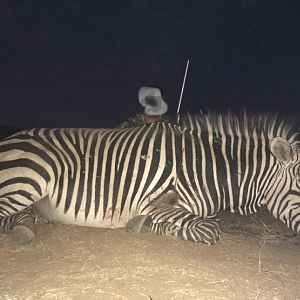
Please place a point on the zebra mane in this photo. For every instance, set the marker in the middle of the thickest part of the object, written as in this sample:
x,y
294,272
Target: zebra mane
x,y
243,124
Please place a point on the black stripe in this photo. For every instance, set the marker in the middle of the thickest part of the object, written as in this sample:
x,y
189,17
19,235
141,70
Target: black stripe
x,y
90,173
71,183
25,163
110,165
103,140
23,180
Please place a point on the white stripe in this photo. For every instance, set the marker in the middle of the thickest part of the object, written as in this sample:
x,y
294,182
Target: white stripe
x,y
228,174
245,175
114,163
148,163
162,158
185,173
214,165
251,198
203,169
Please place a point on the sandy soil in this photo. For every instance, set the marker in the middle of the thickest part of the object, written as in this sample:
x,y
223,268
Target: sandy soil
x,y
256,258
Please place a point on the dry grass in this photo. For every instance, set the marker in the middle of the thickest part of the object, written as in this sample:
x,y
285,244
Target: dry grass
x,y
253,260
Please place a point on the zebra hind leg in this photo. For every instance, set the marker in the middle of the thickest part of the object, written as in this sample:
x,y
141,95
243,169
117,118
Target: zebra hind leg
x,y
20,225
179,223
206,231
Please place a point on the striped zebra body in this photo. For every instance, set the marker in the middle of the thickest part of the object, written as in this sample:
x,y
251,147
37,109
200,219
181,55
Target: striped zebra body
x,y
159,177
91,177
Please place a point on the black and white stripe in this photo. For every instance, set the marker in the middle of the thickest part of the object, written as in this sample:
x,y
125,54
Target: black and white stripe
x,y
107,177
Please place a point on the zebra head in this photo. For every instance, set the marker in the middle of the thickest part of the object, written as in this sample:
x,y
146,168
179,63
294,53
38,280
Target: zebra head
x,y
283,196
245,161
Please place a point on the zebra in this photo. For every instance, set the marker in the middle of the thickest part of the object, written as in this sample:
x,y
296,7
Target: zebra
x,y
161,177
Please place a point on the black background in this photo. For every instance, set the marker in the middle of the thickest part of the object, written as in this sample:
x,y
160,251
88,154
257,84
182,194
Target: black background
x,y
80,63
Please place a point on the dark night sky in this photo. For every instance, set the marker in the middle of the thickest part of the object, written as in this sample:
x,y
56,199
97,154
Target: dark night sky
x,y
80,63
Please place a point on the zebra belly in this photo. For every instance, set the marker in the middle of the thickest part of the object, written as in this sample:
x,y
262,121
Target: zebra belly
x,y
47,209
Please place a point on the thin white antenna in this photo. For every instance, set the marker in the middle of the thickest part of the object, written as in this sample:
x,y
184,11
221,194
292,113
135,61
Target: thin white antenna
x,y
182,89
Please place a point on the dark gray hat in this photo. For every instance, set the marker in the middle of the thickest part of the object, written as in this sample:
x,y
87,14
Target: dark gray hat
x,y
151,99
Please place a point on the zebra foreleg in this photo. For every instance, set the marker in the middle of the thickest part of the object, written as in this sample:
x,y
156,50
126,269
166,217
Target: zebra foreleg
x,y
179,223
20,225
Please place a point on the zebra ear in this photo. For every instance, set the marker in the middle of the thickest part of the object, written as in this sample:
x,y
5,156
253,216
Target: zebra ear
x,y
281,149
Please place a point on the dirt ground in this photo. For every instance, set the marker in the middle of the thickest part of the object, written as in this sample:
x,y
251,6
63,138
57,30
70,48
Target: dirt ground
x,y
256,258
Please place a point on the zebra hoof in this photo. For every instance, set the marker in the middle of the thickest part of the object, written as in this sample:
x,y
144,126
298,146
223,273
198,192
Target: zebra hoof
x,y
22,234
139,224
